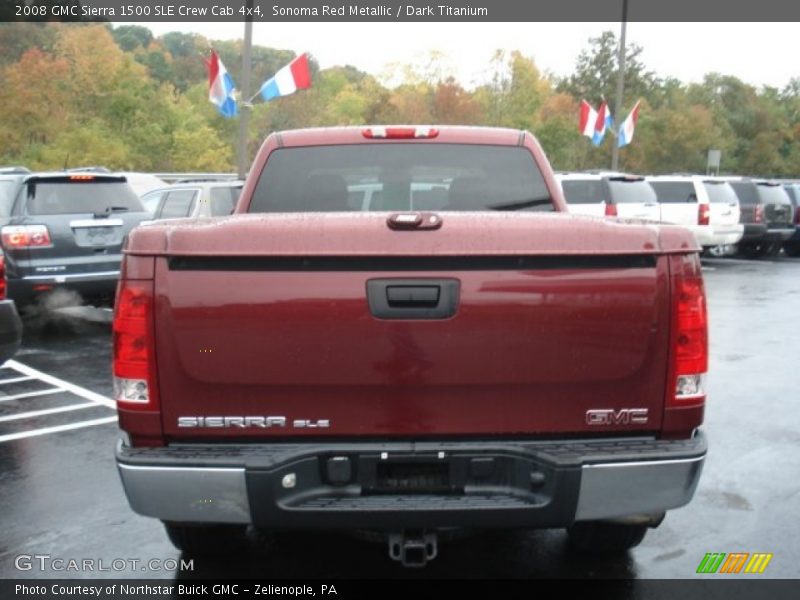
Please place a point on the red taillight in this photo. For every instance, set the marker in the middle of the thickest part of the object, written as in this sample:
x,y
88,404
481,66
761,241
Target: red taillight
x,y
2,277
797,215
81,177
758,213
399,133
134,368
689,333
25,236
611,210
703,214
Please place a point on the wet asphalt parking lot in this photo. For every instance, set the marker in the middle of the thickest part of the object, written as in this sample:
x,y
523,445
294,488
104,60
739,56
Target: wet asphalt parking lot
x,y
61,496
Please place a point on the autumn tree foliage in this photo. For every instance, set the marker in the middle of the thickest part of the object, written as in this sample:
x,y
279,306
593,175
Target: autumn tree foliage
x,y
81,94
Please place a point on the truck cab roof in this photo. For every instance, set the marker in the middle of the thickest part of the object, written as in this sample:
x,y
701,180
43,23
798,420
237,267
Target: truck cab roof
x,y
409,133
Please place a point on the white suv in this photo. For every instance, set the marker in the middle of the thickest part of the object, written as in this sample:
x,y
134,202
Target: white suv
x,y
609,194
707,206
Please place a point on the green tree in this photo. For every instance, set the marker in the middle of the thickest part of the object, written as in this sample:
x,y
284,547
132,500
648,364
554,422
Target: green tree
x,y
18,38
672,139
557,131
452,104
37,94
93,143
200,149
158,63
516,92
131,37
597,69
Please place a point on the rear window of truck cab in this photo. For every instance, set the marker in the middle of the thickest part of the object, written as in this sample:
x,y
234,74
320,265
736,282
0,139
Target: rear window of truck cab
x,y
400,177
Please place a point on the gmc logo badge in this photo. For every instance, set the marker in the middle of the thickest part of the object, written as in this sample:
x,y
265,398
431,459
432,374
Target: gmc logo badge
x,y
623,416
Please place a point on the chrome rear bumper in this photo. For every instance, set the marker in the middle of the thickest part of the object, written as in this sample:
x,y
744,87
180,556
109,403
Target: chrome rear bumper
x,y
512,485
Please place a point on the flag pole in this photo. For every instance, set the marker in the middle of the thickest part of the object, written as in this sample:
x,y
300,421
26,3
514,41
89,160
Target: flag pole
x,y
241,145
620,84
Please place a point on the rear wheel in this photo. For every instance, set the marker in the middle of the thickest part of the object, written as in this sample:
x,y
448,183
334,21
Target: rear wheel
x,y
753,250
598,537
206,540
792,250
715,251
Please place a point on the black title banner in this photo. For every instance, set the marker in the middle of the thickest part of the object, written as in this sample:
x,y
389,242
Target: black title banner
x,y
393,10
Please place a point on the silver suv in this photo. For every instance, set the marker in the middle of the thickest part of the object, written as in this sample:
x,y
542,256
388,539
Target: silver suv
x,y
193,199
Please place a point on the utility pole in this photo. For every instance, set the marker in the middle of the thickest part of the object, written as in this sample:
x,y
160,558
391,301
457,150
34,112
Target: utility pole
x,y
620,85
242,161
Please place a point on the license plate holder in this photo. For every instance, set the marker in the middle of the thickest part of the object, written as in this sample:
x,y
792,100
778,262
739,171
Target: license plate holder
x,y
94,233
412,477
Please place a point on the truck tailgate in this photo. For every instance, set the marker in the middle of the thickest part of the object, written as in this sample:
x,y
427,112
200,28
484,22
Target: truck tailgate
x,y
282,331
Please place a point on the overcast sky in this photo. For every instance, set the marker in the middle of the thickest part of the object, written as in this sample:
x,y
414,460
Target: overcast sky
x,y
759,53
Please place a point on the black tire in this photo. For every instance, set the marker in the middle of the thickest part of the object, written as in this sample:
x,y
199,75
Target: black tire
x,y
206,540
597,537
773,249
792,250
753,250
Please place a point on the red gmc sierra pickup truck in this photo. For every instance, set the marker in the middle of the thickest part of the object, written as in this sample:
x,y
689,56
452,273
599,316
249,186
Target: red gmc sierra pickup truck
x,y
402,330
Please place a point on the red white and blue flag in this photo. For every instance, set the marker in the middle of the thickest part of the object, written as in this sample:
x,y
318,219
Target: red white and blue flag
x,y
220,87
294,76
628,125
603,122
588,119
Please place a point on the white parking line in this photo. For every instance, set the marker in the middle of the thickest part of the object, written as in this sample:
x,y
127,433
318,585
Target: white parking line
x,y
63,385
59,386
47,411
31,394
16,380
58,428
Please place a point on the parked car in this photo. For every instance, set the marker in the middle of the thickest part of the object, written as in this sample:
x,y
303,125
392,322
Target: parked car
x,y
707,207
303,364
10,183
193,199
766,213
10,324
65,230
89,169
610,194
142,183
792,246
15,170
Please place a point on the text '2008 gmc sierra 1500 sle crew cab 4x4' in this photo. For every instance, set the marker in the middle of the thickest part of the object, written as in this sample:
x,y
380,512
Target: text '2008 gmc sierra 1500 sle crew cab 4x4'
x,y
401,331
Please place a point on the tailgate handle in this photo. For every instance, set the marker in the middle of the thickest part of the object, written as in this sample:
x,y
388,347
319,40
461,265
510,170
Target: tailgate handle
x,y
413,298
413,295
